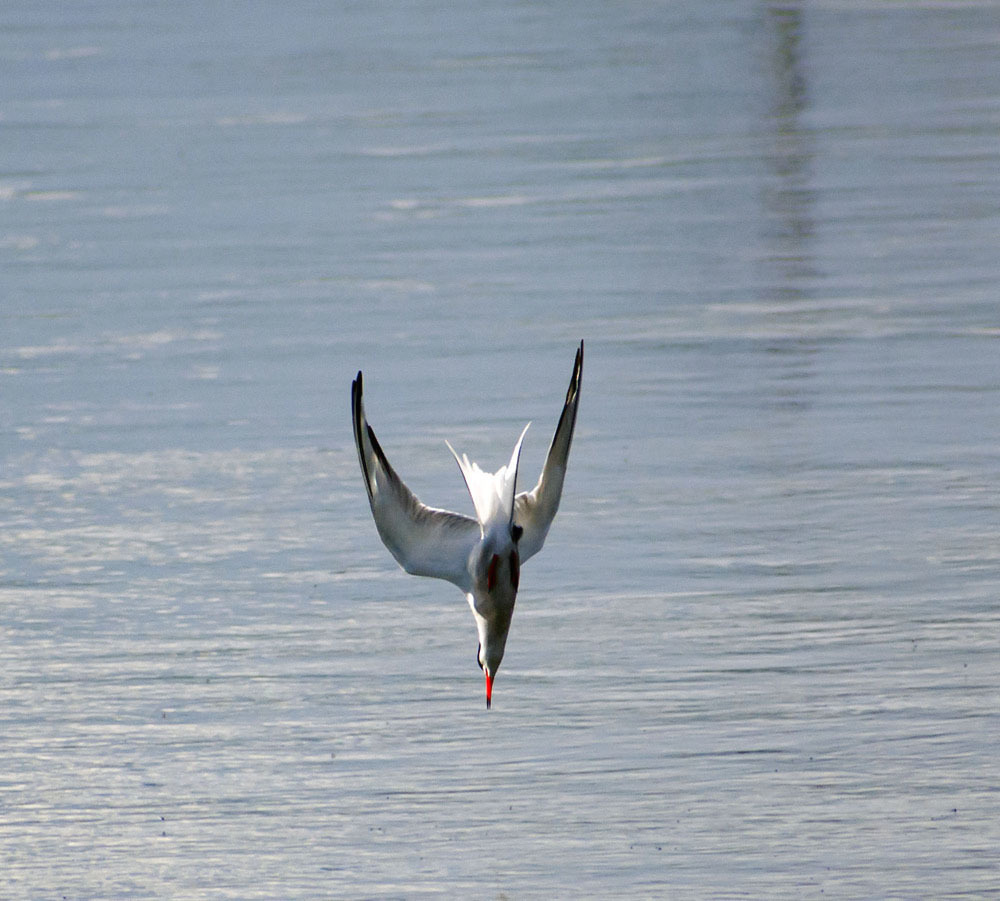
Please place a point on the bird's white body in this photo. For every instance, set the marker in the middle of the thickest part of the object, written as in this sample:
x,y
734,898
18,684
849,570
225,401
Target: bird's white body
x,y
482,556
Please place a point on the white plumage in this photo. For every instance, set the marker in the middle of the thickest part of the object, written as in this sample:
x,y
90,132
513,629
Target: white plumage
x,y
481,556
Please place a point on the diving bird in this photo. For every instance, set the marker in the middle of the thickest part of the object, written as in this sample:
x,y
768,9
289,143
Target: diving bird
x,y
482,556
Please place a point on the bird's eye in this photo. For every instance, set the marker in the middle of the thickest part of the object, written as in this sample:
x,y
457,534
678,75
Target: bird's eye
x,y
516,532
479,659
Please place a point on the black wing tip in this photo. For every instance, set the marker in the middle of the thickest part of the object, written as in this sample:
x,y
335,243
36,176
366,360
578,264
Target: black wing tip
x,y
574,382
572,397
356,389
359,422
356,401
362,430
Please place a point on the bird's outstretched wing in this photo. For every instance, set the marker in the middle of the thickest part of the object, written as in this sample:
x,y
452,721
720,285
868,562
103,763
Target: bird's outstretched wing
x,y
534,510
425,541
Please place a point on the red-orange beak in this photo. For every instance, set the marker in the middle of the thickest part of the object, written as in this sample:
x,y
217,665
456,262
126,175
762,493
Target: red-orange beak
x,y
489,689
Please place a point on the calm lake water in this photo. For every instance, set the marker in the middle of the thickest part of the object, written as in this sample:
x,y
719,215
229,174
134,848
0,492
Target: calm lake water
x,y
760,653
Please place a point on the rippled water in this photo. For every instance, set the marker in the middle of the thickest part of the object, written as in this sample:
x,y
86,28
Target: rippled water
x,y
759,653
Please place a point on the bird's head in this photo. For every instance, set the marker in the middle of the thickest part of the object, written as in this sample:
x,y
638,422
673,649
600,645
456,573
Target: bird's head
x,y
500,575
489,663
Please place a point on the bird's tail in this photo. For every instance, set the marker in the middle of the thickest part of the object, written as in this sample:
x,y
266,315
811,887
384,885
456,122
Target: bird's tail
x,y
492,493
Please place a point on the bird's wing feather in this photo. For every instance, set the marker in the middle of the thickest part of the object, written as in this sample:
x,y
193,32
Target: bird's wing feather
x,y
424,540
534,510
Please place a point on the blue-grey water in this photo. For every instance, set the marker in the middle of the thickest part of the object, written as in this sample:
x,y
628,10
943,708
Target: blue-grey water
x,y
759,655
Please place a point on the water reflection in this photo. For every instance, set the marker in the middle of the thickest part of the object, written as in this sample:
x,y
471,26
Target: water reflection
x,y
787,261
786,270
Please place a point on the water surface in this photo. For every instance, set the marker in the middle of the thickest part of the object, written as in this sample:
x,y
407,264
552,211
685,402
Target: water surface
x,y
758,655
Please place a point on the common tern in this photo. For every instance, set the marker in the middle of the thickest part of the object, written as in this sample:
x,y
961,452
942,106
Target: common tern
x,y
482,556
